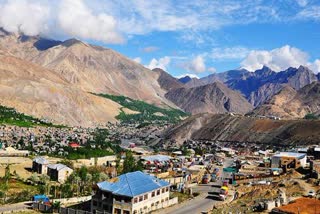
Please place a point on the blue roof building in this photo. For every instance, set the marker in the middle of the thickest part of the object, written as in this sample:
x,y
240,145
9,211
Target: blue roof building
x,y
133,192
132,184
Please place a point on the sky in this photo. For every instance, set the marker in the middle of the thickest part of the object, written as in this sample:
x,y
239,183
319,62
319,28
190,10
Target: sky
x,y
181,36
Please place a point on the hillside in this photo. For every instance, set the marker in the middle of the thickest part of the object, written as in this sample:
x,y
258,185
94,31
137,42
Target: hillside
x,y
224,127
166,81
262,84
289,103
90,68
9,116
36,91
140,111
213,98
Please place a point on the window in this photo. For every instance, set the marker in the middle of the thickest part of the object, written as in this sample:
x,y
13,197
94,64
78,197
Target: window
x,y
140,198
126,212
135,212
152,204
145,197
153,194
167,189
167,199
163,190
135,200
162,201
158,192
117,211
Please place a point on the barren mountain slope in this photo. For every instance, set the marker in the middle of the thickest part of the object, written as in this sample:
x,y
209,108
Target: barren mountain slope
x,y
224,127
212,98
91,68
289,103
31,89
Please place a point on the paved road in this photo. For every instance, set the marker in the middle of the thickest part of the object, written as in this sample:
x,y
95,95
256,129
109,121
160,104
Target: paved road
x,y
15,207
204,202
207,198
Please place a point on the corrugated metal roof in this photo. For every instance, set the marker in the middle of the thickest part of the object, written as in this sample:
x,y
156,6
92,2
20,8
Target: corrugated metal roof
x,y
290,154
58,166
132,184
41,160
159,158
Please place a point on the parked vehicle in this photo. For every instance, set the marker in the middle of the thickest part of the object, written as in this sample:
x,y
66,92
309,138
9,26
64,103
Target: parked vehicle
x,y
311,193
206,179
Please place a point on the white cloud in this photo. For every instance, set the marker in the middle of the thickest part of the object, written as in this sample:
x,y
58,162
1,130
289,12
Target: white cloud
x,y
189,75
315,66
310,13
76,19
278,59
212,70
160,63
196,65
150,49
302,3
24,16
137,60
110,21
236,52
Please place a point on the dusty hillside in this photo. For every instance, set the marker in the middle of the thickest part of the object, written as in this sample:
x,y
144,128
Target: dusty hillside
x,y
212,98
31,89
90,68
224,127
166,81
289,103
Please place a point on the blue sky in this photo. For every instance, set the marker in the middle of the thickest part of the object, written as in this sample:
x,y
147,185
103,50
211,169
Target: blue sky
x,y
181,36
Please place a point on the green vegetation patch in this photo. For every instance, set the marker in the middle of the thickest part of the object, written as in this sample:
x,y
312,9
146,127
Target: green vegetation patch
x,y
148,112
311,116
10,116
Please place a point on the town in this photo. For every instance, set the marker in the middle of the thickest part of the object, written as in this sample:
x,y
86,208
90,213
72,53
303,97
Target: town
x,y
124,168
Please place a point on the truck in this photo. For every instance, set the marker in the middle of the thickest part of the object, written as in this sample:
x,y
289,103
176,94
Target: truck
x,y
206,179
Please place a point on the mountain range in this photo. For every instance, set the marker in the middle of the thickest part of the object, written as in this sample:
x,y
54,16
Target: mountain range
x,y
59,80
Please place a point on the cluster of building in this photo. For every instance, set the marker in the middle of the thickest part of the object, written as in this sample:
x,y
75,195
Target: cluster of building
x,y
56,172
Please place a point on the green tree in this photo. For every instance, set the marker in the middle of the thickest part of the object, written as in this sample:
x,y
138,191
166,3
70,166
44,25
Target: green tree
x,y
129,163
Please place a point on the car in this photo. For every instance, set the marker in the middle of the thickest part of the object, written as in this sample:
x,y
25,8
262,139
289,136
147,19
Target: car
x,y
311,193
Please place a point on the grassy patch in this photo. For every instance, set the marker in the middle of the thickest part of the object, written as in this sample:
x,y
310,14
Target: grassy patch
x,y
148,112
10,116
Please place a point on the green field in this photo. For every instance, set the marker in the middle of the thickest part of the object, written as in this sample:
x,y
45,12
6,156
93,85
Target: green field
x,y
148,112
10,116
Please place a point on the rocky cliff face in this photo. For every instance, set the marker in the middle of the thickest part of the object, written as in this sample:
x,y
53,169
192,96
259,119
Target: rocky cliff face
x,y
213,98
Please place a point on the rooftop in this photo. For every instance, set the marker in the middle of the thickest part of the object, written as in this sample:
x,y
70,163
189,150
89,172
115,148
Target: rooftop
x,y
41,160
58,166
132,184
290,154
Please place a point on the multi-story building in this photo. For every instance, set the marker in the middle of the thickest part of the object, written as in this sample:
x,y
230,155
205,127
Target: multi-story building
x,y
40,165
131,193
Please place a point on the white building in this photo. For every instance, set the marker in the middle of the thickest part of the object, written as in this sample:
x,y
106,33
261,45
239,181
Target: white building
x,y
59,172
132,193
40,165
289,160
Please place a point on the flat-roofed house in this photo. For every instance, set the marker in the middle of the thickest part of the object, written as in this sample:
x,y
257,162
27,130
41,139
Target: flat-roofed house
x,y
59,172
287,160
132,193
40,165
